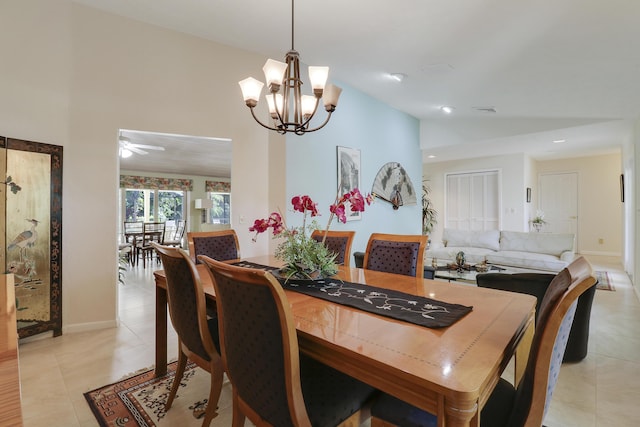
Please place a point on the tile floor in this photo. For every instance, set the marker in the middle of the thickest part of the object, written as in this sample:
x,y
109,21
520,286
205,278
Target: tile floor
x,y
602,390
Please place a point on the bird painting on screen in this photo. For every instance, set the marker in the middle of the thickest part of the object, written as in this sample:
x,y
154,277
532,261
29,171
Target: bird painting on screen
x,y
26,239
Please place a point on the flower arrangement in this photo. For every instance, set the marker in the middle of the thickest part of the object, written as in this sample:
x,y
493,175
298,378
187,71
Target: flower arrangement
x,y
304,257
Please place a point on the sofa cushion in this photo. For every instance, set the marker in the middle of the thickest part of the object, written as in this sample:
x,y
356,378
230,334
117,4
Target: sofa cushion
x,y
469,238
530,260
542,243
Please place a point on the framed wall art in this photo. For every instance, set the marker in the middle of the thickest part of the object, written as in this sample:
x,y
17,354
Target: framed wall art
x,y
348,174
32,249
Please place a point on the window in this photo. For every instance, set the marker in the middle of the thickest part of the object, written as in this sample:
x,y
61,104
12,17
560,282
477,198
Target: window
x,y
220,213
153,205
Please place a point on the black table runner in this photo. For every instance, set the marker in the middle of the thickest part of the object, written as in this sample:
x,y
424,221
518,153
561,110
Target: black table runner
x,y
385,302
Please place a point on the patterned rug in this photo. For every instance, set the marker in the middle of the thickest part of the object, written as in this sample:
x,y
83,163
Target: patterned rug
x,y
604,282
139,400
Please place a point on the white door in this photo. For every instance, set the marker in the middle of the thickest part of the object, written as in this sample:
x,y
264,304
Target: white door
x,y
559,202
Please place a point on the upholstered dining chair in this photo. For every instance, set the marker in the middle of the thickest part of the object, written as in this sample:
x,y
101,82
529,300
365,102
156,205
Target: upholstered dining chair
x,y
272,383
507,405
221,245
338,242
178,234
536,284
197,333
396,253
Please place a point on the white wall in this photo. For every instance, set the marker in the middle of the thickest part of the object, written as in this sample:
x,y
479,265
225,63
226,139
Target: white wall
x,y
514,208
73,76
77,76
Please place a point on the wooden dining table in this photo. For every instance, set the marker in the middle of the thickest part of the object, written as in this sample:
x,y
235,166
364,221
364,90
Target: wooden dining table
x,y
449,371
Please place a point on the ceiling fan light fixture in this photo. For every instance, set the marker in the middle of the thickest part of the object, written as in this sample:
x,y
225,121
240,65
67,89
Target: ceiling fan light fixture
x,y
125,153
290,110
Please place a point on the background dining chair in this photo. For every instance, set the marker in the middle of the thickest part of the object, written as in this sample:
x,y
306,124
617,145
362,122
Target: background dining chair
x,y
536,284
152,232
272,383
396,253
197,333
132,231
221,245
338,242
178,234
526,405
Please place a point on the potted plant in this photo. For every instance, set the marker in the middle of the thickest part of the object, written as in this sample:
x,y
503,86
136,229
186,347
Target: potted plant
x,y
429,214
538,221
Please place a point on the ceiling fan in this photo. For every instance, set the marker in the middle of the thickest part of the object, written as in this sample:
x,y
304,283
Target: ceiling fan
x,y
127,148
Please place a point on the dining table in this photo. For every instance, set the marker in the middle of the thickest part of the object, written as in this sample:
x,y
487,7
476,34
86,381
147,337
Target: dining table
x,y
447,371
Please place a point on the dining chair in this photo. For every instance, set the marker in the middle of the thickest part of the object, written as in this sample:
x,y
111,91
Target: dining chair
x,y
221,245
536,284
152,232
526,404
396,253
131,231
178,234
272,383
197,332
338,242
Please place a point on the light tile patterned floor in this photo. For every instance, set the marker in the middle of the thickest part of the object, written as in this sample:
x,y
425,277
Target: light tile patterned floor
x,y
602,390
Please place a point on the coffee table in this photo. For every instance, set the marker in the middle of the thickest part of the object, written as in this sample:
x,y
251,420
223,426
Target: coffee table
x,y
469,276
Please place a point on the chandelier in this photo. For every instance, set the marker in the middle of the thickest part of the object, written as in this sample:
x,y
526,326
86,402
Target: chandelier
x,y
290,110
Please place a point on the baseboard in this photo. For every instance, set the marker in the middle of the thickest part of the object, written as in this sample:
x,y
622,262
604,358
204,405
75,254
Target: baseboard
x,y
601,253
83,327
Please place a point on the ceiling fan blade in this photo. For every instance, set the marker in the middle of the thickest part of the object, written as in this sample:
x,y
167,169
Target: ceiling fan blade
x,y
147,147
136,150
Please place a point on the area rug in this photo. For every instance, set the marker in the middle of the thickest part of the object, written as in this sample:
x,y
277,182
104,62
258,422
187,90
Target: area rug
x,y
139,400
604,282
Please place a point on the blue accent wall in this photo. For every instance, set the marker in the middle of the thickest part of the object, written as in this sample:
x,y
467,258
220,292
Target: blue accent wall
x,y
382,134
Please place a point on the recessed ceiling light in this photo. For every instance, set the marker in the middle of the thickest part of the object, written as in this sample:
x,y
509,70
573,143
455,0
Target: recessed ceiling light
x,y
446,109
559,141
431,156
397,76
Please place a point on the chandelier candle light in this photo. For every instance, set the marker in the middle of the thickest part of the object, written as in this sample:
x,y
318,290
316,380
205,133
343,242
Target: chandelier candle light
x,y
291,111
304,257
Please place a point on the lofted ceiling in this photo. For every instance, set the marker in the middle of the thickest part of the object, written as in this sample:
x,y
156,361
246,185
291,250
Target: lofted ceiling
x,y
566,69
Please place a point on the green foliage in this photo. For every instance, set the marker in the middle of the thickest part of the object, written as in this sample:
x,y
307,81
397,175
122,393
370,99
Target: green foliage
x,y
429,214
305,258
123,265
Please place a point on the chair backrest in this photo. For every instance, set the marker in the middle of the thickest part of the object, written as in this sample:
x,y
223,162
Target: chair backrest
x,y
338,242
131,227
549,342
396,253
259,344
221,245
152,232
178,232
186,301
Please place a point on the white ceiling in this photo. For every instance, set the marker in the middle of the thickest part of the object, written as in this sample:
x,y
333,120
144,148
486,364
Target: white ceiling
x,y
562,69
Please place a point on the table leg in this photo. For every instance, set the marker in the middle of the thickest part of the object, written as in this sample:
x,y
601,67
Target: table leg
x,y
522,353
161,331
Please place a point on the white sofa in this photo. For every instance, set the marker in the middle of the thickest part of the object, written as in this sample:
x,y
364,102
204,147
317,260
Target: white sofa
x,y
536,251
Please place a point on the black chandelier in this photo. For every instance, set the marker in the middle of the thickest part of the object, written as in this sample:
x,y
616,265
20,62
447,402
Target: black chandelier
x,y
290,110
